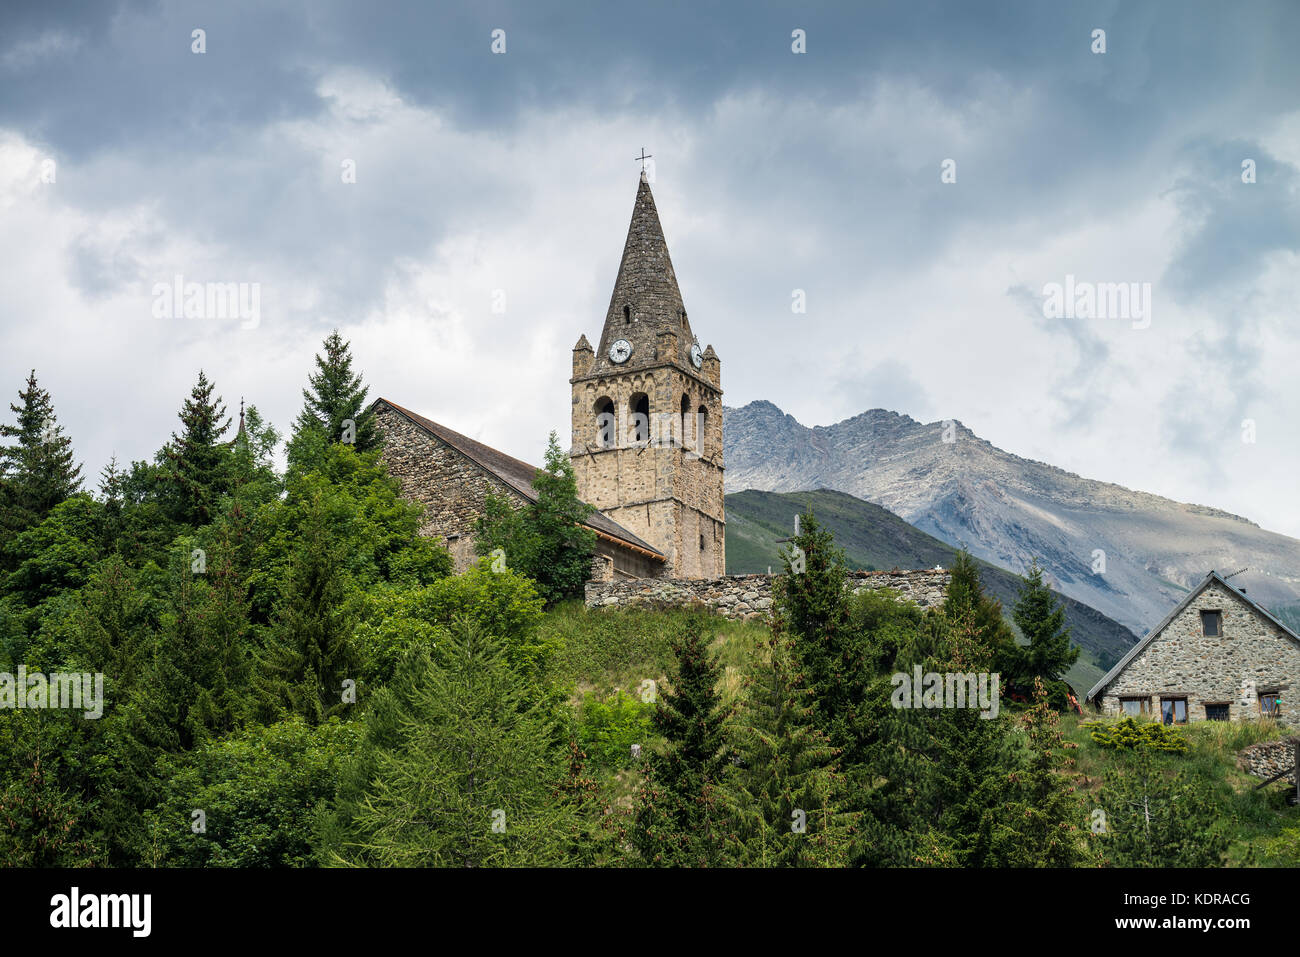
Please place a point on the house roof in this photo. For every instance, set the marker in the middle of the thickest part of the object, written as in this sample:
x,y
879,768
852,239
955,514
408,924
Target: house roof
x,y
1209,579
518,475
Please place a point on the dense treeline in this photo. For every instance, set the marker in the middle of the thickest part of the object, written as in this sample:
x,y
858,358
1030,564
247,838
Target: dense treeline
x,y
292,676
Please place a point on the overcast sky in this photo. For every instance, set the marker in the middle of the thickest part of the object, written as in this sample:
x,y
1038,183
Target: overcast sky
x,y
774,171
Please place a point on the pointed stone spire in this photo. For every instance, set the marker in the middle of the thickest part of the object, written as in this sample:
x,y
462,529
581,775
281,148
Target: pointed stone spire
x,y
646,301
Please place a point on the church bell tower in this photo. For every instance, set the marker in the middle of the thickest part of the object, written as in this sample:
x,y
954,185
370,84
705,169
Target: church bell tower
x,y
647,411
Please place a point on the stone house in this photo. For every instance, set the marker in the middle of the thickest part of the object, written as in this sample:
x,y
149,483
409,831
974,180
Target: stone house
x,y
451,475
1218,656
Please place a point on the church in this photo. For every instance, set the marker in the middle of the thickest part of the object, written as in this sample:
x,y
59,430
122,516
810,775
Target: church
x,y
646,435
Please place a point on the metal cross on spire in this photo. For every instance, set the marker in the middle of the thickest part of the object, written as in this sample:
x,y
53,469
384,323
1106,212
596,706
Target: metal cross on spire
x,y
643,157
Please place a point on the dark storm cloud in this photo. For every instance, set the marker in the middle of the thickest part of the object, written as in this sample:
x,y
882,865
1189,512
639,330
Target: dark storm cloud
x,y
817,172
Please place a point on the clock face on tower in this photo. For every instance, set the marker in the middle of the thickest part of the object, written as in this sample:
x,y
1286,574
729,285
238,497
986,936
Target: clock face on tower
x,y
620,351
697,357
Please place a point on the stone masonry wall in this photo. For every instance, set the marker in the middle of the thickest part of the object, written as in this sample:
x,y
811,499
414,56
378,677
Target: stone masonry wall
x,y
1252,657
451,488
1269,758
750,596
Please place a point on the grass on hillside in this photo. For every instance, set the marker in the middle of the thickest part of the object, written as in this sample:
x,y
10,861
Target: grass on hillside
x,y
611,649
1262,829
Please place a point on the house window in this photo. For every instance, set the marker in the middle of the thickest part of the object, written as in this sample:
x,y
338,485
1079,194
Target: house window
x,y
1212,623
1173,710
1216,712
1134,707
1270,705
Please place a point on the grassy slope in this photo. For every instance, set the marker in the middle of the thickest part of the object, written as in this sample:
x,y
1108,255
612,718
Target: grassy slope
x,y
875,538
607,650
1263,830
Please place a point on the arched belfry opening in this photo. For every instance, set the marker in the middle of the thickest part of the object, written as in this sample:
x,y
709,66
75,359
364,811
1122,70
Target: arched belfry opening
x,y
638,419
627,314
606,422
701,423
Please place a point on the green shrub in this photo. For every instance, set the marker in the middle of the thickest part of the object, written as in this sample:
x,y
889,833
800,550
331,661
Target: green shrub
x,y
610,728
1130,735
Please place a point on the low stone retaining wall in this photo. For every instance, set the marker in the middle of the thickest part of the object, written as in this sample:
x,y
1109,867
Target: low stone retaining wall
x,y
750,596
1268,758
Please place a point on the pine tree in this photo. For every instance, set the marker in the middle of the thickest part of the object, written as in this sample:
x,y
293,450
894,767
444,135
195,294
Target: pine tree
x,y
463,770
679,820
1041,620
335,395
197,462
198,676
1155,818
786,795
38,471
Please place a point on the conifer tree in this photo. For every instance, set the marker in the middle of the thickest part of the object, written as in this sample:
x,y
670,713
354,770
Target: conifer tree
x,y
787,796
950,772
965,596
198,675
1050,813
335,395
593,838
38,471
811,605
197,462
1041,619
680,820
463,770
1155,817
309,652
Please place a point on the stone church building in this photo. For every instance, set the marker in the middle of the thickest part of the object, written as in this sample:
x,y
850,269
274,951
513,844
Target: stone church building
x,y
646,441
1218,656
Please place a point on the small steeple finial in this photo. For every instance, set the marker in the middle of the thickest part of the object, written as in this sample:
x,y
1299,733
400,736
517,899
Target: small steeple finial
x,y
241,416
643,157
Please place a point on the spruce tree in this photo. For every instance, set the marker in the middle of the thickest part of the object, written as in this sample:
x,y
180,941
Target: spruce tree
x,y
38,471
965,596
1041,620
787,795
196,462
309,651
335,394
811,605
680,820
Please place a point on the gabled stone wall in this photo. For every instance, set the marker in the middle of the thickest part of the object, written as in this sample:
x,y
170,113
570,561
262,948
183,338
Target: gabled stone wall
x,y
750,596
451,487
1252,657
